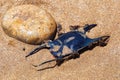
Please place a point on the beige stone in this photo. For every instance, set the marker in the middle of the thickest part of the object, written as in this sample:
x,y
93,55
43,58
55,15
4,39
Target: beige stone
x,y
29,23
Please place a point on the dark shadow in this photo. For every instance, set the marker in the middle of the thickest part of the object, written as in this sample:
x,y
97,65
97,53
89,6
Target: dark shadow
x,y
101,42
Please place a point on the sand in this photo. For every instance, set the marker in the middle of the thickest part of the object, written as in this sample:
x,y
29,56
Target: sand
x,y
100,63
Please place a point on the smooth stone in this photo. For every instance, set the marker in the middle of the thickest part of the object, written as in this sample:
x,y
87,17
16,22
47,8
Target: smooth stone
x,y
29,23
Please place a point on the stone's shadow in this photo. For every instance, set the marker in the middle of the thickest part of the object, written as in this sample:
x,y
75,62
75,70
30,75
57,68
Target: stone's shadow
x,y
59,61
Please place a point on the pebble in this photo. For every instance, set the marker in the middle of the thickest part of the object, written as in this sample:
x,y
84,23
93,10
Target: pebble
x,y
29,24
